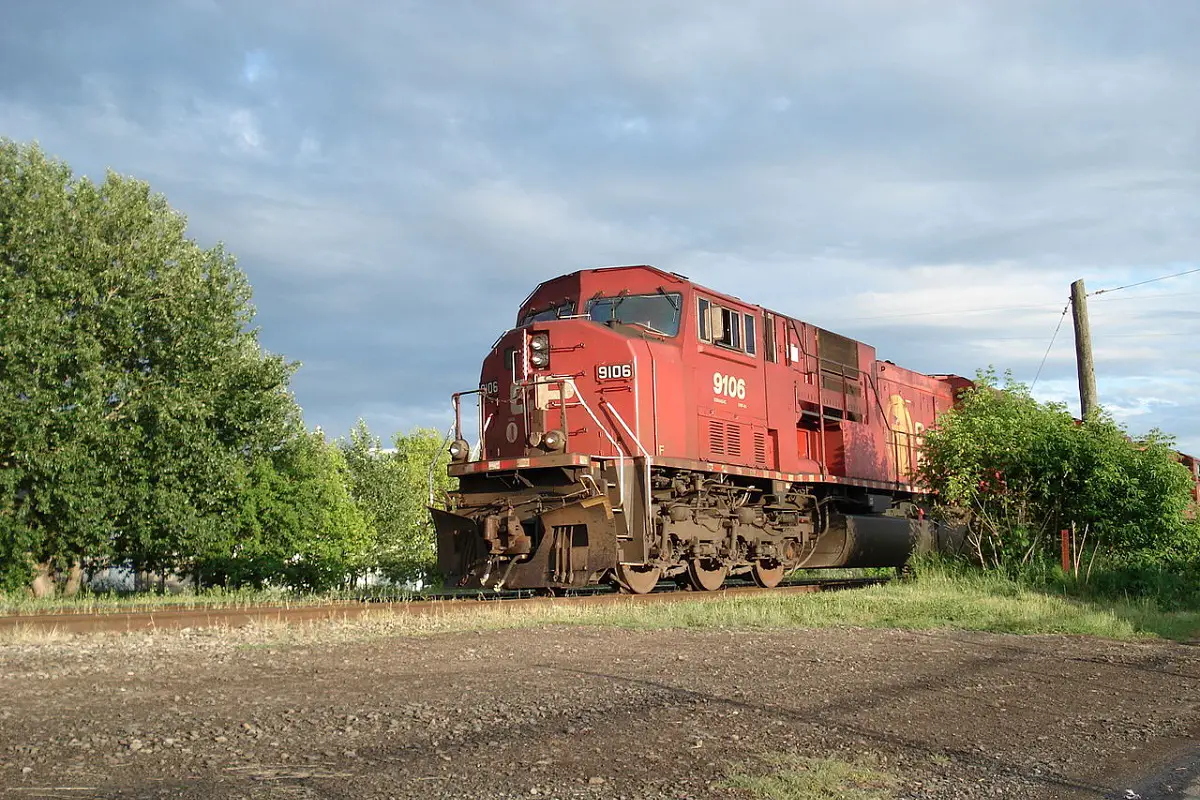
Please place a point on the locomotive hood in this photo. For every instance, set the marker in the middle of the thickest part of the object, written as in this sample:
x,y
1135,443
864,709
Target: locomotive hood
x,y
564,384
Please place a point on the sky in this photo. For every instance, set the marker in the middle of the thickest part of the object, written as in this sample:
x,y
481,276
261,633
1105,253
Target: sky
x,y
394,178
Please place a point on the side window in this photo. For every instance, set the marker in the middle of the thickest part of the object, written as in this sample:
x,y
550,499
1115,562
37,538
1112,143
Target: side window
x,y
726,327
730,333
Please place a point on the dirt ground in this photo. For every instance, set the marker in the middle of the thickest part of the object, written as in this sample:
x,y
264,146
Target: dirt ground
x,y
590,713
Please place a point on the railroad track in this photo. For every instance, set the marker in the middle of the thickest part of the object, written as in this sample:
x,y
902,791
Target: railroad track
x,y
438,605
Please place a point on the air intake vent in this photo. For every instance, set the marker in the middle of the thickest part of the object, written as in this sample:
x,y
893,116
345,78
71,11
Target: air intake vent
x,y
733,440
716,437
760,448
724,438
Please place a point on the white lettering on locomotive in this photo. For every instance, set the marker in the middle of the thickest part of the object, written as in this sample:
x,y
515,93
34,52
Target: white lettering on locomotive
x,y
491,388
612,372
729,386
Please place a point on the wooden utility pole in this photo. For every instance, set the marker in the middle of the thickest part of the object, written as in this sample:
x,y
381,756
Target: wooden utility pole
x,y
1083,349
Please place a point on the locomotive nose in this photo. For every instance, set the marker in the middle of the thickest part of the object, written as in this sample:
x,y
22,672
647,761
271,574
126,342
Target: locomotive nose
x,y
528,391
573,544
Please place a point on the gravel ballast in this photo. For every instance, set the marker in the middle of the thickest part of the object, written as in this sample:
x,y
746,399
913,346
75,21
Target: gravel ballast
x,y
585,712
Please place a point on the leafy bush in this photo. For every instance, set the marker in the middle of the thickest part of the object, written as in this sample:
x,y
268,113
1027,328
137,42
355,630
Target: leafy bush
x,y
1020,471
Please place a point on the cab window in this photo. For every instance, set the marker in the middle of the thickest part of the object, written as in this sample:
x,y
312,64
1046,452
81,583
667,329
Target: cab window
x,y
553,312
658,312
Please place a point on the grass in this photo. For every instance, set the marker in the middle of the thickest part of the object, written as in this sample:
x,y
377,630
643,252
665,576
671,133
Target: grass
x,y
940,597
937,600
89,602
31,635
792,777
1171,587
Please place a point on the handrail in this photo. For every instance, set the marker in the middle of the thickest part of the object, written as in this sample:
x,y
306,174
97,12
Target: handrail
x,y
603,429
613,410
563,383
646,456
480,426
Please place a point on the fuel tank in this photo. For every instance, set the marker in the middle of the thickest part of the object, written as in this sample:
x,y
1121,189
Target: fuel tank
x,y
877,540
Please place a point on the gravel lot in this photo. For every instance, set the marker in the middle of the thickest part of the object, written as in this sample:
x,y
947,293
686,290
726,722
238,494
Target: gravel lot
x,y
343,711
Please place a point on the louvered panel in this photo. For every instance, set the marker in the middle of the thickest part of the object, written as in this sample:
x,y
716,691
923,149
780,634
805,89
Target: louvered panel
x,y
716,437
760,448
733,440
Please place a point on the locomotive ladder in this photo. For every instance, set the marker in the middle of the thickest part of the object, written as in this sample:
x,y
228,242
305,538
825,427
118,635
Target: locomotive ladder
x,y
645,459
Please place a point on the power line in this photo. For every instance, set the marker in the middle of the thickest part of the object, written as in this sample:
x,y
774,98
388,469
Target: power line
x,y
946,313
1057,327
993,309
1146,335
1143,283
1145,296
1105,337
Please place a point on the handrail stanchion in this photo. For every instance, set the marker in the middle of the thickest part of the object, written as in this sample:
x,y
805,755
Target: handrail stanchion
x,y
481,426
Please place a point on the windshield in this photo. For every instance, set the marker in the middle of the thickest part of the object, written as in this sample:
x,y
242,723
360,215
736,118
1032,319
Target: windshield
x,y
553,312
658,312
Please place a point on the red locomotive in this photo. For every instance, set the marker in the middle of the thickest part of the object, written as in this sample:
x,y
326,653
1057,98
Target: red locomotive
x,y
634,426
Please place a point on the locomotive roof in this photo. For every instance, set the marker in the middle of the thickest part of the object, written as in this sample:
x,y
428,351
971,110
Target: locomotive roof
x,y
673,277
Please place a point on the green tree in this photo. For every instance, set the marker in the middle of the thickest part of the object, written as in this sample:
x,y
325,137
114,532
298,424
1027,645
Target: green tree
x,y
298,524
422,457
134,391
53,403
1024,470
393,490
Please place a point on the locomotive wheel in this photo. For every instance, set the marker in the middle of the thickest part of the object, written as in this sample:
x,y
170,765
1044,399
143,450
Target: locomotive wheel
x,y
637,579
767,573
705,575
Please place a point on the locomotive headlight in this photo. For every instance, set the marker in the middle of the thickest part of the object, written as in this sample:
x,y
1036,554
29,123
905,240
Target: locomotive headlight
x,y
460,450
539,350
554,440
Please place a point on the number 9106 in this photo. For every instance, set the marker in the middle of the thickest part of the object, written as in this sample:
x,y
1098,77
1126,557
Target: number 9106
x,y
729,386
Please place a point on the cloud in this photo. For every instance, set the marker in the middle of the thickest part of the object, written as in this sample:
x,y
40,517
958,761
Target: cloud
x,y
243,129
257,67
395,178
